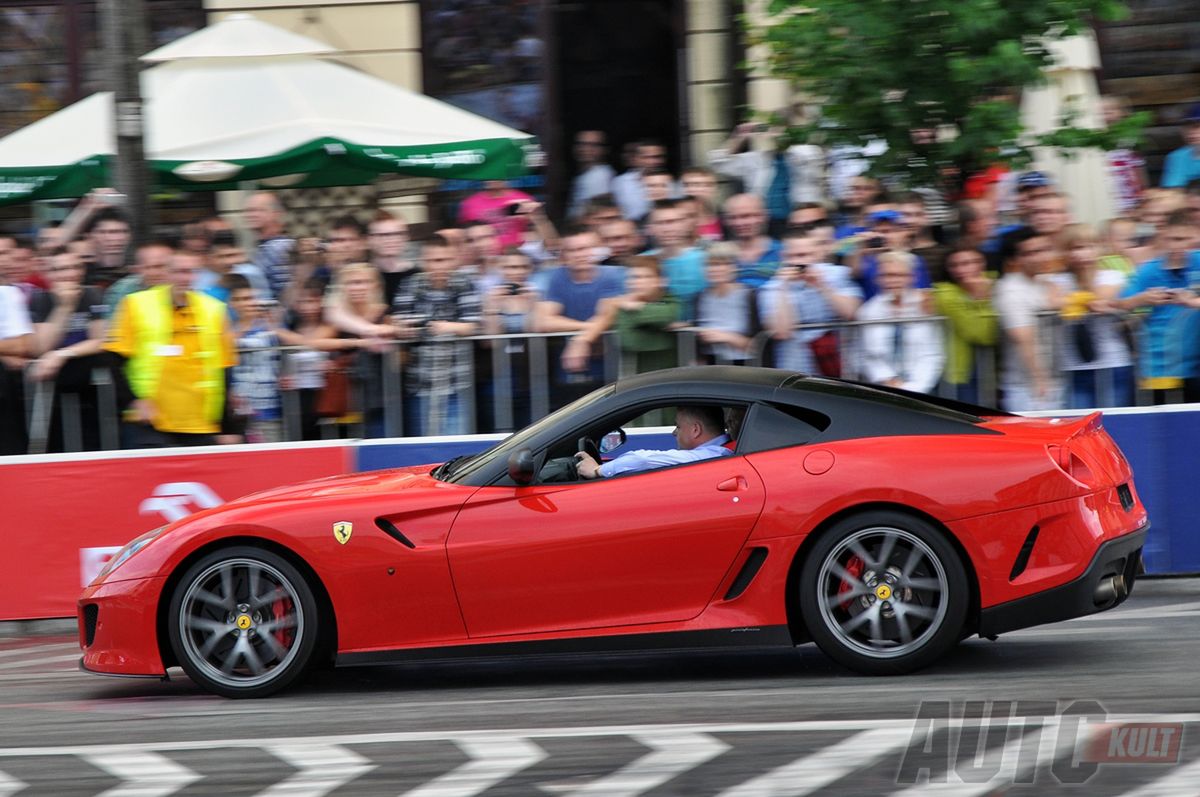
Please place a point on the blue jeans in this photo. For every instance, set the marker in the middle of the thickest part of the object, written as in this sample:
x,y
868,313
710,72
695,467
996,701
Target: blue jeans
x,y
1100,387
429,416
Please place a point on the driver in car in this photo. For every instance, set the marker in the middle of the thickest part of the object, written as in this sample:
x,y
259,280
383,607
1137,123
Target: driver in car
x,y
699,431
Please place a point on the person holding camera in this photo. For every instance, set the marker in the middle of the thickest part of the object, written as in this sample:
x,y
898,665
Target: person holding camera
x,y
499,206
888,233
804,291
779,174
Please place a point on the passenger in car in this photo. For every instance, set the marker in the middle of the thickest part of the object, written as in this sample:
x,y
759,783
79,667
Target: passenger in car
x,y
699,431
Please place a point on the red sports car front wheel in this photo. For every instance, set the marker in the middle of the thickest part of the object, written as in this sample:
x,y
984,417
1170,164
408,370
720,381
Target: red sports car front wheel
x,y
243,622
884,592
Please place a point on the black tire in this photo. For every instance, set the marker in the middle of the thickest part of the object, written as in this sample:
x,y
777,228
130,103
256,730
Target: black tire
x,y
869,615
250,643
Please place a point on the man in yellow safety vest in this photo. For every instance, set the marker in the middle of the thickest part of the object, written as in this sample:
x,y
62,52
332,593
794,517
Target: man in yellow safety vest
x,y
177,349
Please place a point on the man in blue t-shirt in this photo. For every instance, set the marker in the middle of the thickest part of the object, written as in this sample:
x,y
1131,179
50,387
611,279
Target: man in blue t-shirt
x,y
571,296
1183,165
1170,286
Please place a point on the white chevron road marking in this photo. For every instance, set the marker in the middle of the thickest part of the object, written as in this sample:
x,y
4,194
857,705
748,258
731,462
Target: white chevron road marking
x,y
322,768
814,772
10,785
492,760
672,753
144,773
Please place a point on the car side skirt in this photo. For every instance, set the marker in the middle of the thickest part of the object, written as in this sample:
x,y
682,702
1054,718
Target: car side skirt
x,y
762,636
1119,557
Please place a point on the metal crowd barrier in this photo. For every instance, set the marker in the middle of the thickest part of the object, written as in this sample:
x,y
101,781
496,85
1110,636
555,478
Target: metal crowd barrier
x,y
526,382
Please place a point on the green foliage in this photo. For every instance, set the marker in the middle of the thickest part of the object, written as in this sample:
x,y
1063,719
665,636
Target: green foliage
x,y
886,68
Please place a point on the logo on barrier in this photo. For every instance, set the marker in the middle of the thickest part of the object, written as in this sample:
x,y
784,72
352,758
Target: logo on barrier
x,y
176,500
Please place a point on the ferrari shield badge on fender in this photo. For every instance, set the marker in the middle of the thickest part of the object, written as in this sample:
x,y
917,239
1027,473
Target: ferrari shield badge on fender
x,y
342,531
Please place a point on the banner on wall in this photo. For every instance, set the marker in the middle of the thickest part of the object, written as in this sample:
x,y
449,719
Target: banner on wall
x,y
67,515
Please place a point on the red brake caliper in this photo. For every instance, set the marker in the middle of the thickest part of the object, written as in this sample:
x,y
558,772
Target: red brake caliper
x,y
282,635
854,566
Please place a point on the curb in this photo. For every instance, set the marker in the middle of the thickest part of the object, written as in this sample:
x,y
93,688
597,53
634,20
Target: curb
x,y
16,629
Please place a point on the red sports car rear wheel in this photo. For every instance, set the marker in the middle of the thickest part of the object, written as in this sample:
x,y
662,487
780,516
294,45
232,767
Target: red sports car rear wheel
x,y
243,622
884,592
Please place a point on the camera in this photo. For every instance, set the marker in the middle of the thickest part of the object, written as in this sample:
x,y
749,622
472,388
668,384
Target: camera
x,y
875,242
513,208
514,288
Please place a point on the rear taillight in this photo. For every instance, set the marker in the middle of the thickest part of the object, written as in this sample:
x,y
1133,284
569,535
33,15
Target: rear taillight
x,y
1070,463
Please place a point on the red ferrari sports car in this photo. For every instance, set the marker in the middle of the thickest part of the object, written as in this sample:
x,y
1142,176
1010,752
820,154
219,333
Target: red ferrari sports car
x,y
885,526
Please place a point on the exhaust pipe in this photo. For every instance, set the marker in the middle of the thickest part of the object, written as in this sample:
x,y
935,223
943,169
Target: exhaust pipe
x,y
1110,589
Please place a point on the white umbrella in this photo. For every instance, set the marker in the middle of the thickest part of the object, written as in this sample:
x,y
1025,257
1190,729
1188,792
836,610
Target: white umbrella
x,y
218,115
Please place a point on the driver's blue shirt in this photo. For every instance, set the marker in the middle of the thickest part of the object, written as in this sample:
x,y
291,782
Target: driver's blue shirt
x,y
646,459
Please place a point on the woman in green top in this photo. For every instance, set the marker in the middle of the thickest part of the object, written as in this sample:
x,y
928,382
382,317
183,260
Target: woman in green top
x,y
965,299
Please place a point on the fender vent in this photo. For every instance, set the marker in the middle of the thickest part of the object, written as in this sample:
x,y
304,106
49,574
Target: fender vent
x,y
389,528
749,570
1022,560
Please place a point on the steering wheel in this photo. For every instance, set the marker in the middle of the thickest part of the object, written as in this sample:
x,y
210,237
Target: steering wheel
x,y
588,446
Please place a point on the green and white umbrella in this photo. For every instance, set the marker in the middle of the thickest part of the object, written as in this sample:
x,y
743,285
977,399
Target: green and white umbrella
x,y
243,101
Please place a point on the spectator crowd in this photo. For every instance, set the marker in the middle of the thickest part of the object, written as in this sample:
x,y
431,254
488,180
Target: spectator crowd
x,y
995,295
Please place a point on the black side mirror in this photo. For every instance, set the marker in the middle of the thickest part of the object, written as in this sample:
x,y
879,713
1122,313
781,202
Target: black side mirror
x,y
521,467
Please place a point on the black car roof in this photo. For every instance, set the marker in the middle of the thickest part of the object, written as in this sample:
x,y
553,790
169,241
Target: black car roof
x,y
705,377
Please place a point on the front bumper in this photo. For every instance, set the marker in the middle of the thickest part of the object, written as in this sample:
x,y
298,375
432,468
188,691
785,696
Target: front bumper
x,y
118,628
1120,556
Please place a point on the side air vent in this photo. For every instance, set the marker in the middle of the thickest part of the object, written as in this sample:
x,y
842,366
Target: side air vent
x,y
1022,560
749,570
91,613
389,528
1126,496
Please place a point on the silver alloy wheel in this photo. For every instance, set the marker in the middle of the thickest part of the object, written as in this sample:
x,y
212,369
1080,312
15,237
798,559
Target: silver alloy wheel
x,y
241,622
883,592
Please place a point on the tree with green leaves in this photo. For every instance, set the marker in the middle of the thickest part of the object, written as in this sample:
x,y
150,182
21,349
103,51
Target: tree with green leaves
x,y
938,80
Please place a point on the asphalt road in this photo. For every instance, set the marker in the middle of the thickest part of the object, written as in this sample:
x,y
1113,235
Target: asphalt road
x,y
738,724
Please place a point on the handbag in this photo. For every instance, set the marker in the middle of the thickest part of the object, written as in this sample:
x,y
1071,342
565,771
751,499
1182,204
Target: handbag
x,y
827,355
1082,340
333,400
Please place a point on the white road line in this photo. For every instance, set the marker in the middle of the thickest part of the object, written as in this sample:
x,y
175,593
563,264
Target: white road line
x,y
570,732
16,665
144,773
7,653
1179,782
492,760
322,768
10,785
673,753
814,772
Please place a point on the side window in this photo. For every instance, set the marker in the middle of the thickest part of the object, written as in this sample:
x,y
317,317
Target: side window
x,y
770,426
556,465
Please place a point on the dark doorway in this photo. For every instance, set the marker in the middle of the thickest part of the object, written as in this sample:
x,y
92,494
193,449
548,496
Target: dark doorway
x,y
615,66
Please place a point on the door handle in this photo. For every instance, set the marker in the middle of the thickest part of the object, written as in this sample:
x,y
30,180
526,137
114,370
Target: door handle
x,y
733,484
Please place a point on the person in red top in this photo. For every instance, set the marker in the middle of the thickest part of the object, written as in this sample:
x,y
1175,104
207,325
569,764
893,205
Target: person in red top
x,y
496,204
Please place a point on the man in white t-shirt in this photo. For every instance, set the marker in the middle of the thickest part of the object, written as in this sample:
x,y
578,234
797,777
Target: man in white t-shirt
x,y
1029,378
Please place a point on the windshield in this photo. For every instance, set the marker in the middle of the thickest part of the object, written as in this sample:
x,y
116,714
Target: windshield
x,y
519,440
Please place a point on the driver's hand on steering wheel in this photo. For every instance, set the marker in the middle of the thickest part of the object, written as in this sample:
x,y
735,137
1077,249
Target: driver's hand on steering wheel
x,y
587,467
